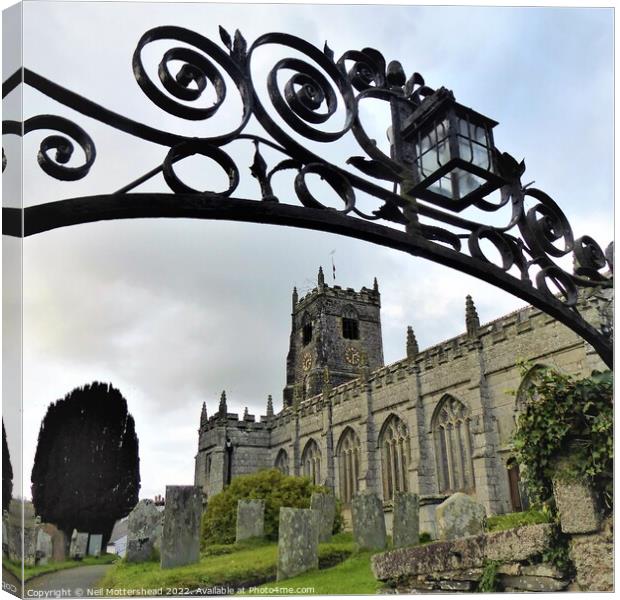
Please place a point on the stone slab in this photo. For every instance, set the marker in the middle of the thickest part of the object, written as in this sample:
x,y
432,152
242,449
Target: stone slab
x,y
298,541
593,557
577,507
368,521
144,531
406,520
250,519
78,546
532,583
460,516
508,546
326,505
180,544
44,547
94,544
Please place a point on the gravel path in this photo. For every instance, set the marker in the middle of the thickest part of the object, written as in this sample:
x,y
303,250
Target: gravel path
x,y
76,581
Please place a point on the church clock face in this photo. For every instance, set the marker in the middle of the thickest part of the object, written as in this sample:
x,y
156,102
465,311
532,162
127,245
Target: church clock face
x,y
352,356
306,361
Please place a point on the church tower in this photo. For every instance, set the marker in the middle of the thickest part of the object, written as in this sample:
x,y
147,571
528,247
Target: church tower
x,y
333,330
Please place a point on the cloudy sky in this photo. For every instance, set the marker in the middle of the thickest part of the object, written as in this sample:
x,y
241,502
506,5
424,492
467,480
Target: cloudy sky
x,y
173,311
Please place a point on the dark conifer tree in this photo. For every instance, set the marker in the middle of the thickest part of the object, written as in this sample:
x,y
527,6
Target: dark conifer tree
x,y
86,471
7,472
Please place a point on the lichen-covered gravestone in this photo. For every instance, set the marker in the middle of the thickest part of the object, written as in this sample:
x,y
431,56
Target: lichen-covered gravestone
x,y
326,505
250,519
577,506
459,516
44,547
298,541
144,530
368,521
180,544
94,544
406,522
79,545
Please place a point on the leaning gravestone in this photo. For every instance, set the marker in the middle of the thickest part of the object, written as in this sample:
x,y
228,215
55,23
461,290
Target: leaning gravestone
x,y
44,547
94,544
326,505
250,519
78,546
459,516
180,544
298,541
144,530
368,521
406,522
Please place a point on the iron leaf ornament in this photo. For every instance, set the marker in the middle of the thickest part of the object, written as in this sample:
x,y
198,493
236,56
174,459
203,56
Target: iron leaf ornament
x,y
318,89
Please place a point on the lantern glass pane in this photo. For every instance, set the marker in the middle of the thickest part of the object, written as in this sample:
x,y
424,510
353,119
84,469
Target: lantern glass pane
x,y
442,186
481,156
480,135
467,182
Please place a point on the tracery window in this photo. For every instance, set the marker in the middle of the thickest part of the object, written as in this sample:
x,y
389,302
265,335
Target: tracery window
x,y
282,463
348,459
527,389
453,445
311,462
395,455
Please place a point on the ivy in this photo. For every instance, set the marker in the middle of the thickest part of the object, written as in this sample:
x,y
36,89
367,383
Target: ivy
x,y
566,431
489,582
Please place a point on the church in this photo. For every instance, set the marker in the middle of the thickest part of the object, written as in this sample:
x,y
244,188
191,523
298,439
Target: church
x,y
435,422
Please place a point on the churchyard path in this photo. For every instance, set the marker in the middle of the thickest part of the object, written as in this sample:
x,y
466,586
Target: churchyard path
x,y
77,581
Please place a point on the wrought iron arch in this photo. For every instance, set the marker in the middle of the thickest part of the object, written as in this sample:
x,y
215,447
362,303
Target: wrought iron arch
x,y
536,232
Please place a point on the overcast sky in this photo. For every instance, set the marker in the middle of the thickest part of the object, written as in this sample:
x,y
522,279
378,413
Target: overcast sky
x,y
173,311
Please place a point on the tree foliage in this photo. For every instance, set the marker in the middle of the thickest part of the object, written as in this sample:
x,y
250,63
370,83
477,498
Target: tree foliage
x,y
567,421
220,519
7,472
86,471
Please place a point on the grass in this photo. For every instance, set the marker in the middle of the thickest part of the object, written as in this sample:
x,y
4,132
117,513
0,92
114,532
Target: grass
x,y
518,519
51,567
352,576
238,565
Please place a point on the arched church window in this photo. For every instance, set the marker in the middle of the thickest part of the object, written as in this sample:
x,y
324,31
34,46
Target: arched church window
x,y
306,329
282,463
527,388
453,445
311,462
350,324
348,460
395,449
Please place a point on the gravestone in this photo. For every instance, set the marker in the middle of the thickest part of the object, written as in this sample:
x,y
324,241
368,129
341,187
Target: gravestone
x,y
180,544
326,505
298,541
44,547
94,544
31,528
368,521
144,530
59,542
577,506
250,519
78,546
406,522
459,516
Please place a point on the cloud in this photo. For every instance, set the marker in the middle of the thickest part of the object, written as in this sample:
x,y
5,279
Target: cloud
x,y
172,311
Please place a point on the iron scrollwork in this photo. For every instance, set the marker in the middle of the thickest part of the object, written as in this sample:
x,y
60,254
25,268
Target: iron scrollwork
x,y
318,85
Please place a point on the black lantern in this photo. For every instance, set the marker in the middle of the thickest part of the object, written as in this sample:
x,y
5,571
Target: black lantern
x,y
455,159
